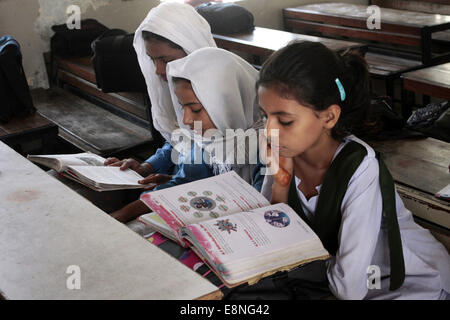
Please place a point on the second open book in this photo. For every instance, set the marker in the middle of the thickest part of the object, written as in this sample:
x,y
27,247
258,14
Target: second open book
x,y
233,228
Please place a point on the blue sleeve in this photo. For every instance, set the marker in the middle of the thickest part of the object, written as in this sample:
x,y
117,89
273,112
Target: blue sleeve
x,y
161,161
257,177
188,173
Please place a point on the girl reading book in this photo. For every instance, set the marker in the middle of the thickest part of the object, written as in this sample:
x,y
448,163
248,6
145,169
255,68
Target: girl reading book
x,y
213,90
318,101
169,32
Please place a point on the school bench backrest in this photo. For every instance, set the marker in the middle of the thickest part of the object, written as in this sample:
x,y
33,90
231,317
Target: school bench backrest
x,y
428,6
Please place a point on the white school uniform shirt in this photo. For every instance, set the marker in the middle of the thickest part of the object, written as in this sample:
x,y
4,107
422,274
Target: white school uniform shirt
x,y
363,242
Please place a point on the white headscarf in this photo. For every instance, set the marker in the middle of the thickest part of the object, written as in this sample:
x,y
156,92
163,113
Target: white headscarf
x,y
181,24
225,85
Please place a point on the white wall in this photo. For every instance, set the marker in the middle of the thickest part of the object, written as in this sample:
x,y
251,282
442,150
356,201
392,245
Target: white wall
x,y
29,22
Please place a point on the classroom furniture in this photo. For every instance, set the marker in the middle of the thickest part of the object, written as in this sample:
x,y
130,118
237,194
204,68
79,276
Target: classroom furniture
x,y
47,228
403,42
31,134
420,168
77,73
88,126
398,27
262,42
432,81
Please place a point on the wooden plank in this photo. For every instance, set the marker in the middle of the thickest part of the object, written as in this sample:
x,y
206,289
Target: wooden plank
x,y
422,164
47,227
387,65
81,67
80,72
432,81
24,124
427,89
102,130
263,41
388,16
429,6
112,98
366,34
352,21
425,206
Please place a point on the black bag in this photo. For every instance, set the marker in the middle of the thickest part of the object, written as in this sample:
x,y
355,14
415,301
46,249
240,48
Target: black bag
x,y
385,123
115,63
14,91
226,18
76,42
426,116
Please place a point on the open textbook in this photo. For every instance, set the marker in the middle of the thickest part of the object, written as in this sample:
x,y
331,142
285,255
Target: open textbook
x,y
89,170
233,228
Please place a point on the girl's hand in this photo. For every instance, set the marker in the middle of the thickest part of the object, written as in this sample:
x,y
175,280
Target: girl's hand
x,y
282,177
154,180
143,169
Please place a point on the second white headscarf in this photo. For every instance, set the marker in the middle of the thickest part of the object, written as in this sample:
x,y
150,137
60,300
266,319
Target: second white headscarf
x,y
225,85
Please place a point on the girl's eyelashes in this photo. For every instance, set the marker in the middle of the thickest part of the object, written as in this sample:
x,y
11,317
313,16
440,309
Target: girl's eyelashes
x,y
196,111
286,124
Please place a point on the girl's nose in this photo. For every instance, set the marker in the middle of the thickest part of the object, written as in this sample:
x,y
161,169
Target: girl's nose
x,y
187,117
269,125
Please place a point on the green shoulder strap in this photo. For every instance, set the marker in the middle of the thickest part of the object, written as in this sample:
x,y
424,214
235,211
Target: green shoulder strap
x,y
327,217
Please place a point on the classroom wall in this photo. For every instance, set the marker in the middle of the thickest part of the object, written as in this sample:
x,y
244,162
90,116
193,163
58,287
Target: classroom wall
x,y
29,22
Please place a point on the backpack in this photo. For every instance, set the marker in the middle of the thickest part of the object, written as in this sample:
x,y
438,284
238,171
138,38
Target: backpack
x,y
76,42
385,123
226,18
115,62
14,91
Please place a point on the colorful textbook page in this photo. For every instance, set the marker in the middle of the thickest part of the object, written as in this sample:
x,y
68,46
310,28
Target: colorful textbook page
x,y
202,200
247,244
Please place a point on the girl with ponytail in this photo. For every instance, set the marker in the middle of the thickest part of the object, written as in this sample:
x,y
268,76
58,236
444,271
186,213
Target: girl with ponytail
x,y
318,101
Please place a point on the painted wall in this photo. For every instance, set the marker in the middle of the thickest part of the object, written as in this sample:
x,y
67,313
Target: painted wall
x,y
29,22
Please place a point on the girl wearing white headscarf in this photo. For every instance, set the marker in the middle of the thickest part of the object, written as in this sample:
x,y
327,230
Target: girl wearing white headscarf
x,y
179,30
224,86
224,83
182,25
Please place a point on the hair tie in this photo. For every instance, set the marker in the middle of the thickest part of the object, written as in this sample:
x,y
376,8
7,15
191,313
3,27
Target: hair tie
x,y
341,88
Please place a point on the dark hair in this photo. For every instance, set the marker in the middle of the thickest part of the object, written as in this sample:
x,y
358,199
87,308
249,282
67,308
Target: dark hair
x,y
148,36
307,72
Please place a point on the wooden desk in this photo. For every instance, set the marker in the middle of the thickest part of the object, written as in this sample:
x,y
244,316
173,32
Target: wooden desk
x,y
397,27
46,227
432,81
262,42
29,134
420,168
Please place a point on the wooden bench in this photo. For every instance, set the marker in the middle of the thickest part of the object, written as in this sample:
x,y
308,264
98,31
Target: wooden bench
x,y
262,42
79,74
47,227
31,134
88,126
403,43
432,81
420,168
